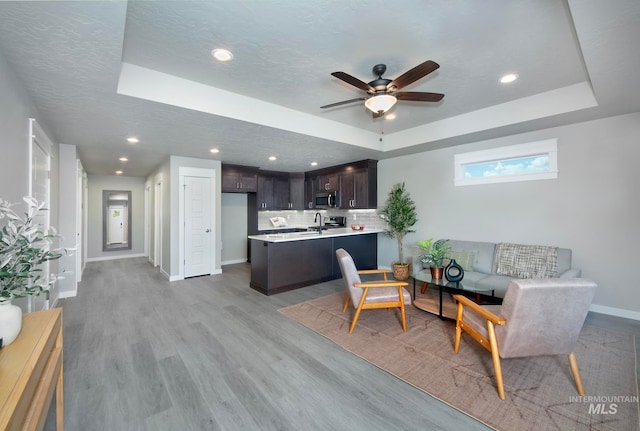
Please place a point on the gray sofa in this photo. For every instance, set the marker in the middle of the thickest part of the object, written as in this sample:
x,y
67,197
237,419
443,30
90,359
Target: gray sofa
x,y
484,274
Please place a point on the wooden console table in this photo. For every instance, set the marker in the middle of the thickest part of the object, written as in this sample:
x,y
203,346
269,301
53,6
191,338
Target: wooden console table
x,y
30,370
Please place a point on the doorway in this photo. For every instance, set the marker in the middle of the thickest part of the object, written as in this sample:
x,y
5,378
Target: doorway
x,y
157,223
39,188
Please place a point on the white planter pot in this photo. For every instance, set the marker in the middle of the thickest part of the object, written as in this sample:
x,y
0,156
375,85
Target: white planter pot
x,y
10,322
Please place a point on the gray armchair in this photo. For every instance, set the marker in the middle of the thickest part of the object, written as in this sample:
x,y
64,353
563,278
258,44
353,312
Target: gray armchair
x,y
373,294
538,317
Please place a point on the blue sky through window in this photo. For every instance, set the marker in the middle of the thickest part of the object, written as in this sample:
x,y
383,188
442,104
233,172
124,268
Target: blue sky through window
x,y
517,166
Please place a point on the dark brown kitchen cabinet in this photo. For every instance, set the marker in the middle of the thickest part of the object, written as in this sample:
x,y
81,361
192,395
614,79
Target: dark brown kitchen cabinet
x,y
328,183
280,191
297,199
239,179
356,184
265,193
309,193
280,266
354,189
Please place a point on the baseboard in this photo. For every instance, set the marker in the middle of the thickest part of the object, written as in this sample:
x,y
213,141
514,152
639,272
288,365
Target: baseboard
x,y
65,295
233,261
612,311
122,256
179,277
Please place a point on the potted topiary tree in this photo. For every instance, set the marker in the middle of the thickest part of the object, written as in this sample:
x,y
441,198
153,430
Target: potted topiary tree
x,y
24,247
400,214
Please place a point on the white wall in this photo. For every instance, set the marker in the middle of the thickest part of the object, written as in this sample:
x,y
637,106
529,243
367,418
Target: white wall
x,y
15,110
234,228
591,208
98,183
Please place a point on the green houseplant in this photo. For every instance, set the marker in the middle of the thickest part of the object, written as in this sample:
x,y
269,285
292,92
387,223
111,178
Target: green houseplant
x,y
400,214
434,254
24,247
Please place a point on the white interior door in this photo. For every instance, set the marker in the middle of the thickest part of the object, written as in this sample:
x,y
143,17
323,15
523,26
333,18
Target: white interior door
x,y
197,226
116,226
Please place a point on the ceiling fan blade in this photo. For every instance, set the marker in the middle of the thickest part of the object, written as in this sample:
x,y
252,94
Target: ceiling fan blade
x,y
418,96
344,102
353,81
413,75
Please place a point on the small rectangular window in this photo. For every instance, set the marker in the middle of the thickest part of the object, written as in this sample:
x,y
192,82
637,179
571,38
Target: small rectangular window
x,y
524,162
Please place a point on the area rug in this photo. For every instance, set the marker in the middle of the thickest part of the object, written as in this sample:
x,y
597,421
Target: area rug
x,y
540,392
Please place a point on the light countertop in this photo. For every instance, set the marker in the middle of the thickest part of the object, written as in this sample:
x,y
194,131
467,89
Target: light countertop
x,y
309,235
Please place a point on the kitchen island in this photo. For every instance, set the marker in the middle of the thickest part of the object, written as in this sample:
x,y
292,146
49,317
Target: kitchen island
x,y
286,261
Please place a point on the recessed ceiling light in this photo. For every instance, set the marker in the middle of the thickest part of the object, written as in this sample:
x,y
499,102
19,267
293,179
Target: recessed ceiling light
x,y
272,158
214,150
314,163
123,159
390,116
133,140
510,77
222,54
118,172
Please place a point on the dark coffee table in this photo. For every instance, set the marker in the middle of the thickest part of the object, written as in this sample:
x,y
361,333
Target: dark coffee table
x,y
433,299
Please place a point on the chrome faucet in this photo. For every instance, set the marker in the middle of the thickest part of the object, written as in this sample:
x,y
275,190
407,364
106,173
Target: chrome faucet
x,y
318,218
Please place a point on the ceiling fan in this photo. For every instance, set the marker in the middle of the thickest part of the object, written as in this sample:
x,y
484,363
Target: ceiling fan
x,y
383,93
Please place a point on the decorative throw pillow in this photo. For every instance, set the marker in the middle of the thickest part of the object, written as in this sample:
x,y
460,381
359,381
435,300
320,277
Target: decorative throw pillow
x,y
464,259
526,261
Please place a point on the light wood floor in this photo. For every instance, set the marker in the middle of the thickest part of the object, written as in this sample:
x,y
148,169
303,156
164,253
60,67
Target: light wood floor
x,y
210,353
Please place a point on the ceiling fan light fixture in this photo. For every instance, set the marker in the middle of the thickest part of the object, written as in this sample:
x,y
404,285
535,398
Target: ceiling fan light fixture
x,y
381,102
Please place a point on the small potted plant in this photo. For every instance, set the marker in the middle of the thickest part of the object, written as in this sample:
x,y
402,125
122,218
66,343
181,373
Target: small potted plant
x,y
400,214
24,247
434,253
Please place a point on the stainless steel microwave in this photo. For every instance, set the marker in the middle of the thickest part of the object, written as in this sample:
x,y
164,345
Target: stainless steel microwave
x,y
326,200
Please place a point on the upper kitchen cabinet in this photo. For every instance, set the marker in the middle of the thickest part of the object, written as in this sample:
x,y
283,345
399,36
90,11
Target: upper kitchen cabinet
x,y
239,179
354,190
328,183
356,183
297,196
280,191
309,193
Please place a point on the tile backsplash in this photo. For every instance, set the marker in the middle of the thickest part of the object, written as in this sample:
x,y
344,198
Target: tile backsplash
x,y
304,219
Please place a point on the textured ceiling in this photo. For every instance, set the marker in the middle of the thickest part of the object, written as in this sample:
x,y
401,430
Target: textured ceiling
x,y
576,60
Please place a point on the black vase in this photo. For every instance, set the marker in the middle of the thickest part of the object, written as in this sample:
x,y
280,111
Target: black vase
x,y
453,272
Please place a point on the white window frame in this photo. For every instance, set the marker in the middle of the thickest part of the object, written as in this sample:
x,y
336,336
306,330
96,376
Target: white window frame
x,y
547,147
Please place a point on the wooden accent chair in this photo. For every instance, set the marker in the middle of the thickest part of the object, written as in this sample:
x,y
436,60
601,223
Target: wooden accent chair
x,y
538,317
373,294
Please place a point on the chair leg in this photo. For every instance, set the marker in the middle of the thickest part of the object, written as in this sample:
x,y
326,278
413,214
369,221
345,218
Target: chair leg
x,y
402,313
573,362
358,310
495,356
456,344
346,303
